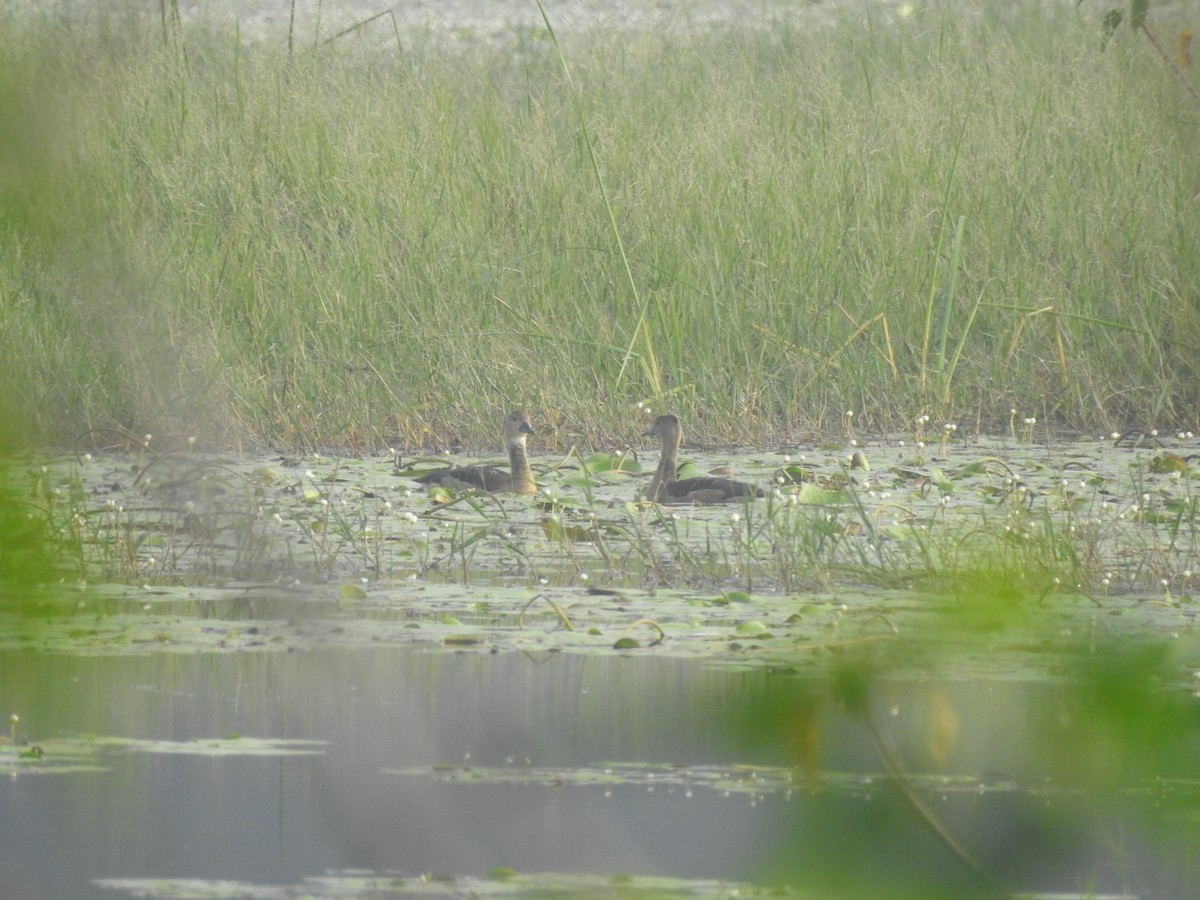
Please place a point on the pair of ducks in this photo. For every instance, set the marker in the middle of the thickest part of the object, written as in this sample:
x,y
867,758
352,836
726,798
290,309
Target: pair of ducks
x,y
664,486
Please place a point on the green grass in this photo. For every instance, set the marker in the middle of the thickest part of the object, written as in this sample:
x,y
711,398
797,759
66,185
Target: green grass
x,y
953,217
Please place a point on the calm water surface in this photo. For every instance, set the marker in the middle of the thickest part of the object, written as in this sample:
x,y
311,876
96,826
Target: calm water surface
x,y
279,820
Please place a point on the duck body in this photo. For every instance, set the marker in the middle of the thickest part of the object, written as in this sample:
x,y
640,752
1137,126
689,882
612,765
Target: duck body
x,y
518,480
463,478
666,488
709,489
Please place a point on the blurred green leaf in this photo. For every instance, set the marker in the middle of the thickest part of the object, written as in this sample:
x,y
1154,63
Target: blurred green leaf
x,y
1137,13
1112,21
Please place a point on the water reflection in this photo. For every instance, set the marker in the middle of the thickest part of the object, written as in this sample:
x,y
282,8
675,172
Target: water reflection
x,y
280,820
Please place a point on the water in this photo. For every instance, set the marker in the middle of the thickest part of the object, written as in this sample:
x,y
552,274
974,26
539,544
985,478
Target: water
x,y
445,764
278,820
462,22
462,725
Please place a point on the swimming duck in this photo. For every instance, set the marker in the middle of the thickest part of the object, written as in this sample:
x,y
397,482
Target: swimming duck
x,y
517,481
666,488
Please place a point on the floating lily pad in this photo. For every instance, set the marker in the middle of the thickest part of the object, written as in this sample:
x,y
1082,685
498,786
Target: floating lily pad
x,y
341,885
226,746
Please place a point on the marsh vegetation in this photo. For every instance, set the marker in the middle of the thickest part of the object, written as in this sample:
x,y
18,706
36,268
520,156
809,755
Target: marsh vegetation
x,y
913,276
907,593
951,214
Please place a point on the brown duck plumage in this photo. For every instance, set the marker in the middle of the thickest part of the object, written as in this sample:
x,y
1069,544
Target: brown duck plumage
x,y
666,488
488,478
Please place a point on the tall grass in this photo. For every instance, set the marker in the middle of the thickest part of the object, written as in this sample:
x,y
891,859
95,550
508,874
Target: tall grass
x,y
952,216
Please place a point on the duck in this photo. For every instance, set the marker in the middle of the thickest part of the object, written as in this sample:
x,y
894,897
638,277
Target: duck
x,y
519,480
666,488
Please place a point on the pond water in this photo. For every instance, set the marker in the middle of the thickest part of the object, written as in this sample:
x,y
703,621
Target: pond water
x,y
466,23
970,666
348,805
389,765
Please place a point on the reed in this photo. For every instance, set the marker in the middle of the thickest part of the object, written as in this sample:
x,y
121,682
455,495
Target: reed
x,y
756,230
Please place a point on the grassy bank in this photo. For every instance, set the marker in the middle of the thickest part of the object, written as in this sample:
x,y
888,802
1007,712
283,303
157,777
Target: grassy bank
x,y
950,216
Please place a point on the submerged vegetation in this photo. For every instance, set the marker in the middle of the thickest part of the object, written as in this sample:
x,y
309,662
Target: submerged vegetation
x,y
952,214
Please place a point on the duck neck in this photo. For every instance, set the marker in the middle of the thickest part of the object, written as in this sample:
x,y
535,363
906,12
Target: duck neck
x,y
522,474
665,473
